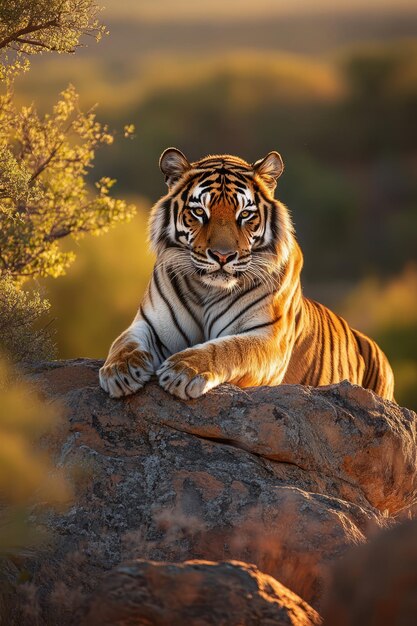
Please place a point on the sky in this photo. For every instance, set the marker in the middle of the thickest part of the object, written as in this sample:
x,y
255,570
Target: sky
x,y
230,9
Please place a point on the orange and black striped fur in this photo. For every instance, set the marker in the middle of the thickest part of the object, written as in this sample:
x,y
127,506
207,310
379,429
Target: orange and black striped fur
x,y
224,303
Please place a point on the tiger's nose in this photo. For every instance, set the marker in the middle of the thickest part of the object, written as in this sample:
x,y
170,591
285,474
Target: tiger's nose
x,y
222,257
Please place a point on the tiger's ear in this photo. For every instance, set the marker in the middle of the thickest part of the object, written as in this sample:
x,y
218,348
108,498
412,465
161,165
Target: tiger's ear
x,y
269,169
173,165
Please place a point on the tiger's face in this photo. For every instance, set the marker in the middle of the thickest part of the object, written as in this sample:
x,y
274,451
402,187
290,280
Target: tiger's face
x,y
220,217
220,233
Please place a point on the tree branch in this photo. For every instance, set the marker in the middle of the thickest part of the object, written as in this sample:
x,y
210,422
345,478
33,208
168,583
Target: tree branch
x,y
32,42
26,31
53,153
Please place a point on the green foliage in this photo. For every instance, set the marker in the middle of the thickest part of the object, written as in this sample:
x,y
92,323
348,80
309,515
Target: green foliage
x,y
32,26
380,71
44,192
24,334
381,100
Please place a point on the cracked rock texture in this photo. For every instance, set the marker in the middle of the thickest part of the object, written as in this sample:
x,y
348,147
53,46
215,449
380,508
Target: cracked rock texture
x,y
287,478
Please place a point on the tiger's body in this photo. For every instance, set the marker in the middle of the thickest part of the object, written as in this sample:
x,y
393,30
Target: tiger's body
x,y
224,303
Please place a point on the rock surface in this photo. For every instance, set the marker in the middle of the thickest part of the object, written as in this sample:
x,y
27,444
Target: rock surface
x,y
195,593
287,478
376,584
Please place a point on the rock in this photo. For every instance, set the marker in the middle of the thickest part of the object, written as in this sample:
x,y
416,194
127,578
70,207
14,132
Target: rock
x,y
285,477
376,584
196,593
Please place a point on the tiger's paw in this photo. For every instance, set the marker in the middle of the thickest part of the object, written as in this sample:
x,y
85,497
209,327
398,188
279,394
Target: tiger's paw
x,y
125,371
180,376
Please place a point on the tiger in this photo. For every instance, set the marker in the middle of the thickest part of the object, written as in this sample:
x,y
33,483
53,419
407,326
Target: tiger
x,y
224,303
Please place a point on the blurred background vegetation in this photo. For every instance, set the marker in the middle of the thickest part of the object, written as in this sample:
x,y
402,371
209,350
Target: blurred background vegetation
x,y
333,88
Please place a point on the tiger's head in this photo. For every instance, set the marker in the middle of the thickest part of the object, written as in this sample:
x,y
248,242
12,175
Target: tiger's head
x,y
220,220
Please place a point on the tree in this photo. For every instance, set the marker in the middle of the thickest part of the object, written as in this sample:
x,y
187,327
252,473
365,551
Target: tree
x,y
44,194
32,26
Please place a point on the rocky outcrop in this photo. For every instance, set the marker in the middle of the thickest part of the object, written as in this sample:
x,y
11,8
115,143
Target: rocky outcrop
x,y
195,593
287,478
376,584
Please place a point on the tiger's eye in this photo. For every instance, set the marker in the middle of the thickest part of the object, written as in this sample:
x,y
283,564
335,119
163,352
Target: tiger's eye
x,y
245,214
198,211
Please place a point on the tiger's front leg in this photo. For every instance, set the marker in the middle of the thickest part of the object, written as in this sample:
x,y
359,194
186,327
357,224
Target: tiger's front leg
x,y
130,362
244,360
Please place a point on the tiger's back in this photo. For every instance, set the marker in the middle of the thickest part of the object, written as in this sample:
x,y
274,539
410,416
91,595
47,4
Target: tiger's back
x,y
328,350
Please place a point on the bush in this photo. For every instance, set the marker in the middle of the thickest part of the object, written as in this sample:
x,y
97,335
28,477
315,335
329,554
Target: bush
x,y
24,334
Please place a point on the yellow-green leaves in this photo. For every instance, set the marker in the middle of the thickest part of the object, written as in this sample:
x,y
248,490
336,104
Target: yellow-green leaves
x,y
129,131
34,26
24,333
44,195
